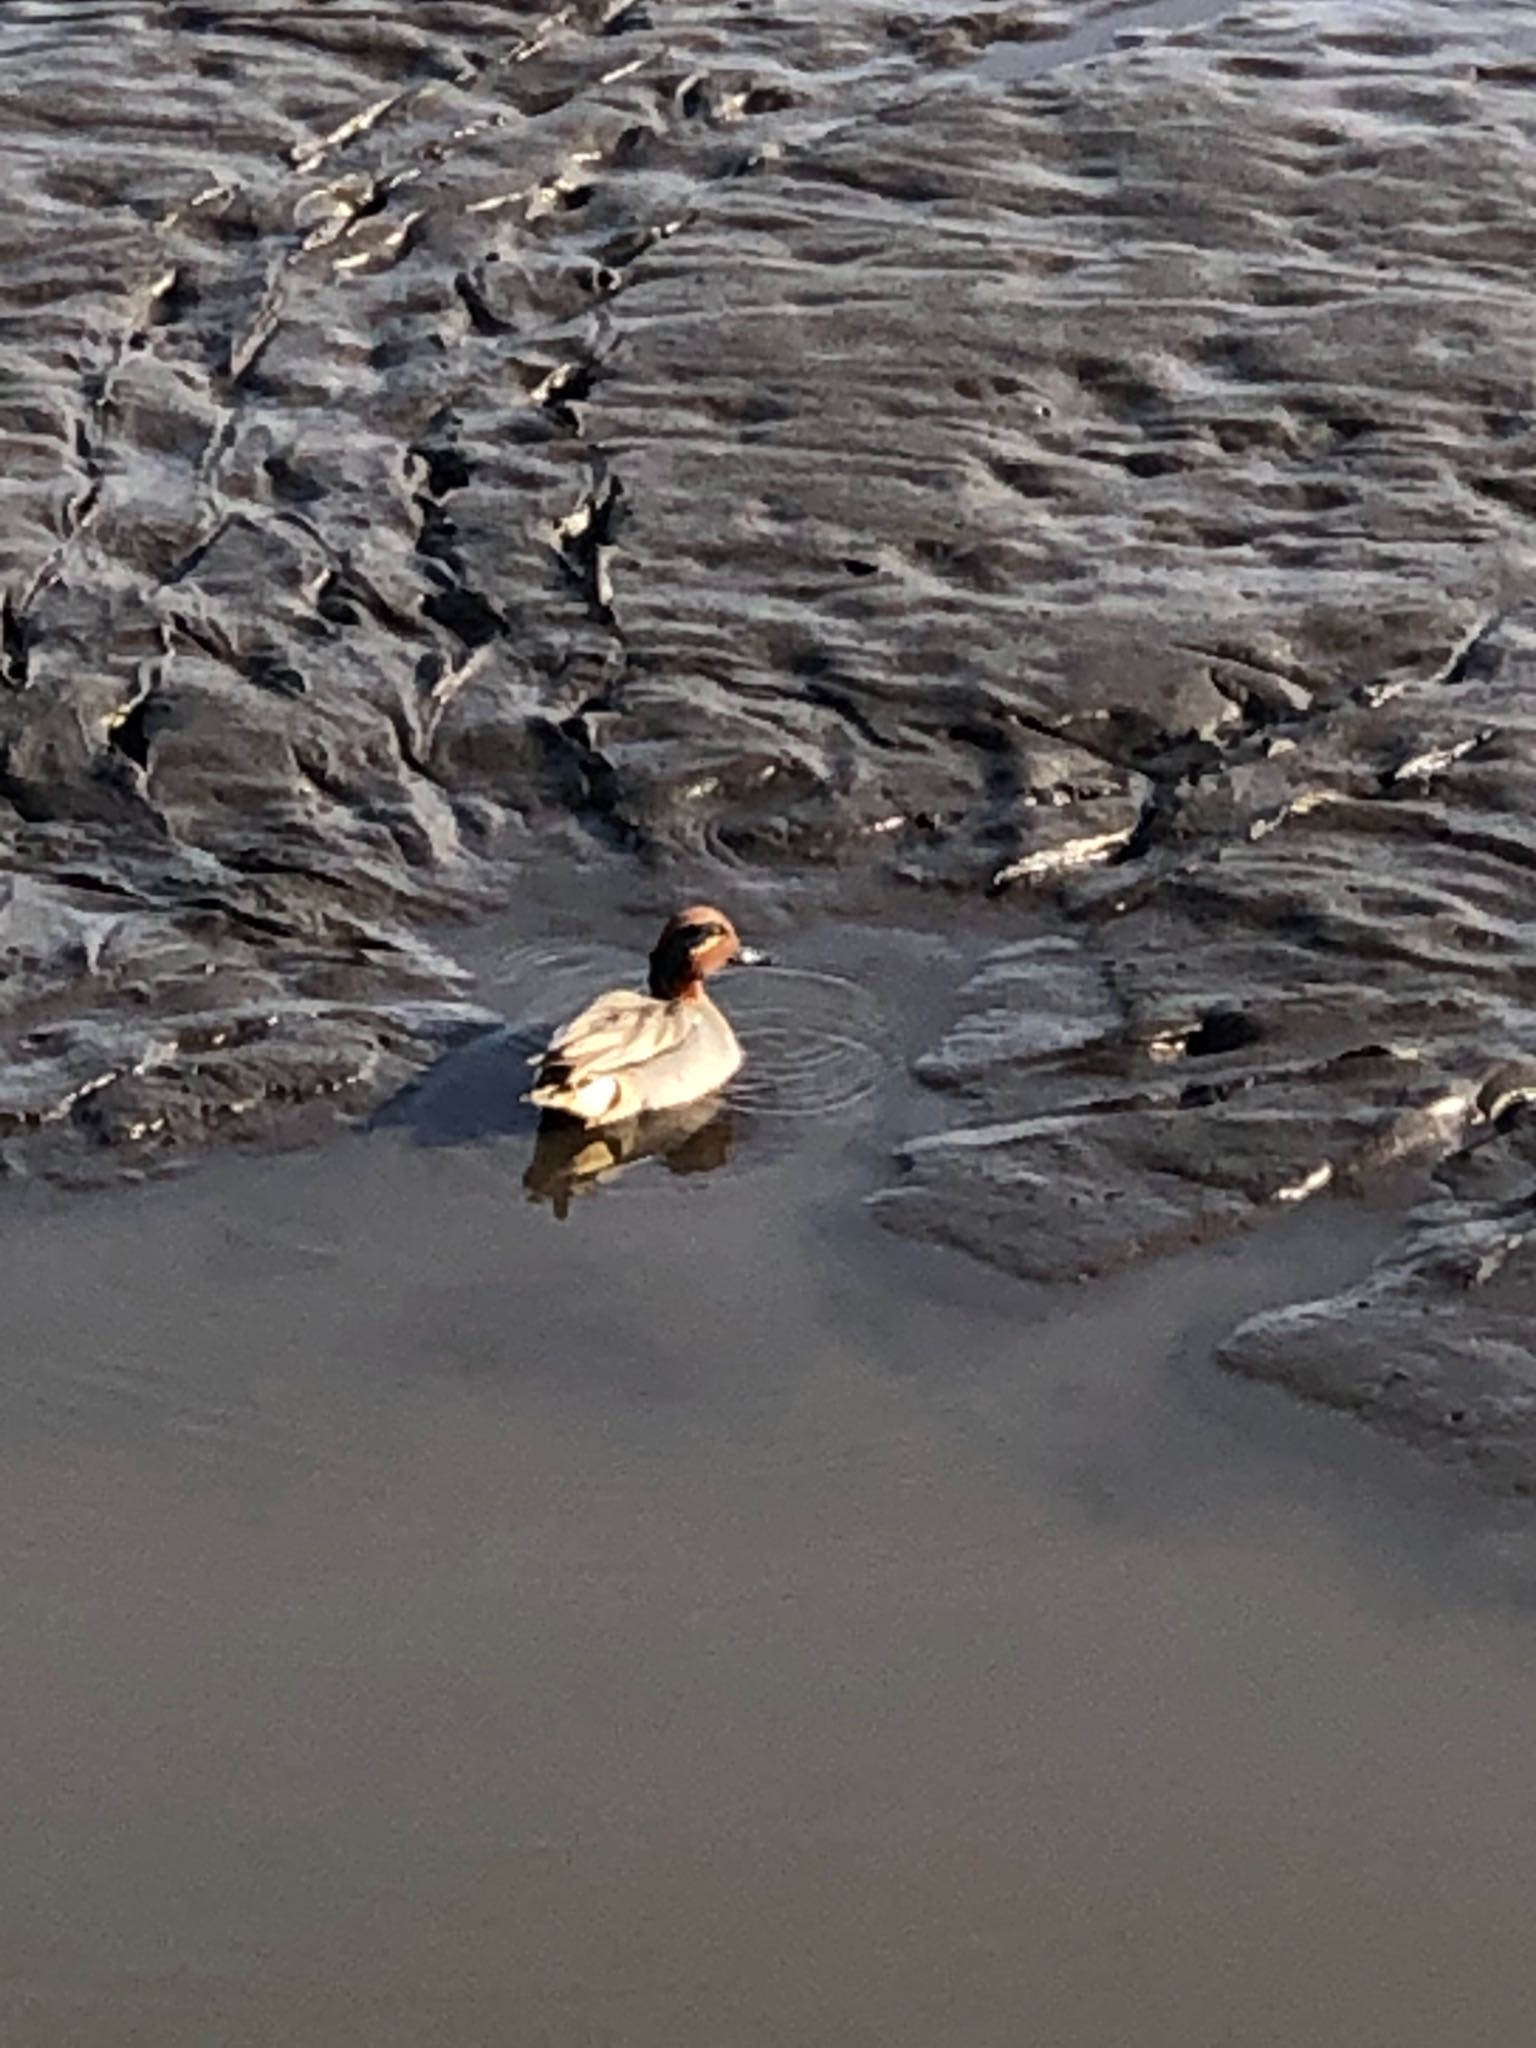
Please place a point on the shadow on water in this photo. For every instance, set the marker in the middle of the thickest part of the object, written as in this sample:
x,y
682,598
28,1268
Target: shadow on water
x,y
472,1094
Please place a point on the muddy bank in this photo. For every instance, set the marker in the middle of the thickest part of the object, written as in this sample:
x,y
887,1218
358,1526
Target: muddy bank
x,y
790,449
1434,1345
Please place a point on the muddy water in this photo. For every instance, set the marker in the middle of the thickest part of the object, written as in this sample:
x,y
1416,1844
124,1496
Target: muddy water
x,y
707,1618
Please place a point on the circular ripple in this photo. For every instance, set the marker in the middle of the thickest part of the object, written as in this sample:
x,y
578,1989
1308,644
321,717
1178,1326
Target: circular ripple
x,y
540,984
815,1043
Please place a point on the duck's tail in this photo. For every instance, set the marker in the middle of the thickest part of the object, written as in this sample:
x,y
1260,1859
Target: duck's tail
x,y
592,1100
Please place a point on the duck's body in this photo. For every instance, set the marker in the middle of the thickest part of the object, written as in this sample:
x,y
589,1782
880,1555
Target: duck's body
x,y
633,1052
628,1053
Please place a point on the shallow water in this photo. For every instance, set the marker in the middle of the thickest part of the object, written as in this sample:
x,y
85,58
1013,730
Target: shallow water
x,y
711,1619
1113,25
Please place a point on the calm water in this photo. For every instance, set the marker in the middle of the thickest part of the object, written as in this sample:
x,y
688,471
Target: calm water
x,y
707,1621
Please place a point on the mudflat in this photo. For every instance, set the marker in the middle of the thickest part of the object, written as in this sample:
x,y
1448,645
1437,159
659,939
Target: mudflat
x,y
1077,458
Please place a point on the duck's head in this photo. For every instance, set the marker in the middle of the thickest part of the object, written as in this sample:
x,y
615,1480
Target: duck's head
x,y
697,941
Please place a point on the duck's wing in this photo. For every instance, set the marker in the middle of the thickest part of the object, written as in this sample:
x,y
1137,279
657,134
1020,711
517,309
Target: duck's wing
x,y
607,1016
621,1029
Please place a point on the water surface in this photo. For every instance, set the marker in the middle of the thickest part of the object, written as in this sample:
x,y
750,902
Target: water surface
x,y
709,1620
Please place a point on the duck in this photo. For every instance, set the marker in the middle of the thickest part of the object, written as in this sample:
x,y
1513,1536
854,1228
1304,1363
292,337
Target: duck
x,y
633,1052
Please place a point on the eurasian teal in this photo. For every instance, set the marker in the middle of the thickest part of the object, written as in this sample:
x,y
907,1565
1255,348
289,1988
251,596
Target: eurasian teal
x,y
631,1052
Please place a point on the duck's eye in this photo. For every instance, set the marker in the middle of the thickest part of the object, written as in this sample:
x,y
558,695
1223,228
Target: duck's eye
x,y
694,935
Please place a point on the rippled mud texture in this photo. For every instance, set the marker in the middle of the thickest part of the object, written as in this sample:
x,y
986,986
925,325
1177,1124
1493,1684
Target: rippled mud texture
x,y
311,551
449,433
1311,967
1336,996
1435,1346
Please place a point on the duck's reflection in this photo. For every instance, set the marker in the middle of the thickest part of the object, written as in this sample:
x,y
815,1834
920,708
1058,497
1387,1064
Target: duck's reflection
x,y
572,1158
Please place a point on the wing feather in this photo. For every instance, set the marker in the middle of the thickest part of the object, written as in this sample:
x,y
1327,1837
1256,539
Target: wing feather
x,y
620,1030
608,1013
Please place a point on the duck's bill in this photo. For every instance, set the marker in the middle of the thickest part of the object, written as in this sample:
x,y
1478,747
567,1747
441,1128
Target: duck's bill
x,y
753,956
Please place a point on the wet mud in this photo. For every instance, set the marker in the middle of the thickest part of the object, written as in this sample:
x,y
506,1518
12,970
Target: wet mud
x,y
1071,466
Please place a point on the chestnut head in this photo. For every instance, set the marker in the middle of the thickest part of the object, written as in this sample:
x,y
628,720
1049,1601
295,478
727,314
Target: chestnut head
x,y
694,943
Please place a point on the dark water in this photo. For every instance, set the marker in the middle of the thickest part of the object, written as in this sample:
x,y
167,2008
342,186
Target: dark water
x,y
710,1619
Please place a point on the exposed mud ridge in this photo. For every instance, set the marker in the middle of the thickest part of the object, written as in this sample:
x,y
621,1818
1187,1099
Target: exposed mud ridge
x,y
307,600
792,440
1436,1345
